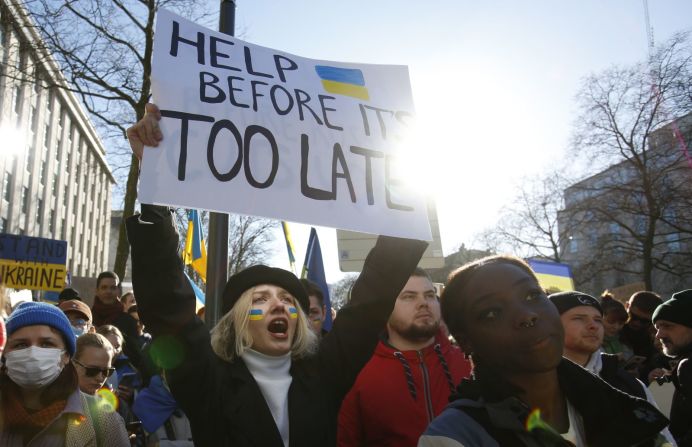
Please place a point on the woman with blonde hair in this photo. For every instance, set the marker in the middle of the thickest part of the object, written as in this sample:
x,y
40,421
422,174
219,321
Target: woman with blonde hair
x,y
93,360
259,379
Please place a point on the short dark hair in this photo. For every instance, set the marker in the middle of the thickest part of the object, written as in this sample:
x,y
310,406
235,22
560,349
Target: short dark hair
x,y
452,298
108,274
646,301
419,272
68,293
313,289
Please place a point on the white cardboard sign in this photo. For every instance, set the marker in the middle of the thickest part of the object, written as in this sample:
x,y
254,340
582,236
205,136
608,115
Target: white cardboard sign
x,y
256,131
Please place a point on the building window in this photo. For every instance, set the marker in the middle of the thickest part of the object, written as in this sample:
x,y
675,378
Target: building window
x,y
640,225
33,120
29,159
7,186
25,199
49,105
572,245
3,225
42,172
17,102
39,209
46,135
673,242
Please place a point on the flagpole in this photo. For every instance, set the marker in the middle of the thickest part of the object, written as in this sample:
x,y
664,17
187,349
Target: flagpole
x,y
217,263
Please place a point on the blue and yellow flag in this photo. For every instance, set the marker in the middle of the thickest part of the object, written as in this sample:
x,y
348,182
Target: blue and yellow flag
x,y
289,245
343,81
195,253
313,269
199,295
552,276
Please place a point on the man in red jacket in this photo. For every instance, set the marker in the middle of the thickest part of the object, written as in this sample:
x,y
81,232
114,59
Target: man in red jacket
x,y
409,378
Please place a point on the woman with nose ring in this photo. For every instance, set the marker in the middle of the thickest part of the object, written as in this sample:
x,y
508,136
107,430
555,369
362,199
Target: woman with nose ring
x,y
523,392
41,401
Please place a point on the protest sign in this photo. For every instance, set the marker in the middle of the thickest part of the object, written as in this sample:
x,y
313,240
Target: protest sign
x,y
32,263
257,131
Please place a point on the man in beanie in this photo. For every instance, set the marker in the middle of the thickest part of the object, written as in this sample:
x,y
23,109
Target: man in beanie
x,y
673,322
41,401
582,319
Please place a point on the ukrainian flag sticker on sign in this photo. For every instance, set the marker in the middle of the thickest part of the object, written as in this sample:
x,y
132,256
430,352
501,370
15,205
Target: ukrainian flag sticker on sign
x,y
343,81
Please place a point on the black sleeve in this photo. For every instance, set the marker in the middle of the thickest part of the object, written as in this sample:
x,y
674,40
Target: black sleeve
x,y
350,344
165,299
166,304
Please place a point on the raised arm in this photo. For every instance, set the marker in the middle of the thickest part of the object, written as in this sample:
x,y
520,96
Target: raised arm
x,y
165,299
352,340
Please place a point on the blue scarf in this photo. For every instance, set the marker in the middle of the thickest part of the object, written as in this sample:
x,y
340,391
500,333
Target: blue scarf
x,y
154,405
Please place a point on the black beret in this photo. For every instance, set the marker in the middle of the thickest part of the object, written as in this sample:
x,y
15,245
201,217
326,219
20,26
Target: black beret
x,y
262,274
564,301
678,309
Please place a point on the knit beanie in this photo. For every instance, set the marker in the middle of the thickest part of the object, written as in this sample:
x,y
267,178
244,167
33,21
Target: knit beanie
x,y
564,301
678,309
262,274
31,313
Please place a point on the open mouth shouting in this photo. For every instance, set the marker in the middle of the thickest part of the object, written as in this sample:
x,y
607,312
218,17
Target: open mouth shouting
x,y
278,327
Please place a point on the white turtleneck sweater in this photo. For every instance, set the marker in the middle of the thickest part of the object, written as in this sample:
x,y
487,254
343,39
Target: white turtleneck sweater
x,y
273,377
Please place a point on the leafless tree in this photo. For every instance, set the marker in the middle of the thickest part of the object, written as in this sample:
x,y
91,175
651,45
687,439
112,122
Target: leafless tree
x,y
103,50
248,241
528,226
634,131
340,292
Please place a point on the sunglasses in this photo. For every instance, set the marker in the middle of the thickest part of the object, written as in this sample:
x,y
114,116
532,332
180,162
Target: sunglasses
x,y
93,371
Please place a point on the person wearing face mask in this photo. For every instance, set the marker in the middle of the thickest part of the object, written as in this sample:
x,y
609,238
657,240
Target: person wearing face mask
x,y
79,315
41,401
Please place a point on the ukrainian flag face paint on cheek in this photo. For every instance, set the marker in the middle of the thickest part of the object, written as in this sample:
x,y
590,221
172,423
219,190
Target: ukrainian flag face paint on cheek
x,y
293,312
256,314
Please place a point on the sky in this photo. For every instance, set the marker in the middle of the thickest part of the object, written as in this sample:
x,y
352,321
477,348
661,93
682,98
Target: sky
x,y
493,83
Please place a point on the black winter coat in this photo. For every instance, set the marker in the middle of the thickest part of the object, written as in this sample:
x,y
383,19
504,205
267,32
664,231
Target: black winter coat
x,y
221,399
681,409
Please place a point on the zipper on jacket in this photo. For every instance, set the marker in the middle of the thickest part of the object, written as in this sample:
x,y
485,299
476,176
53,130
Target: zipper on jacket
x,y
426,387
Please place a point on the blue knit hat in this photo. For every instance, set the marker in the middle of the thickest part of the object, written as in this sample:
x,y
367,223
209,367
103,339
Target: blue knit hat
x,y
31,313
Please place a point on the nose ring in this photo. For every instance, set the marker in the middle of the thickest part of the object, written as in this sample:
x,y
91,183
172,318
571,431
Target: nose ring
x,y
528,324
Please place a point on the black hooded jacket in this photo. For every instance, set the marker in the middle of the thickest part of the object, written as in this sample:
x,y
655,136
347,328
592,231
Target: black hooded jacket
x,y
611,418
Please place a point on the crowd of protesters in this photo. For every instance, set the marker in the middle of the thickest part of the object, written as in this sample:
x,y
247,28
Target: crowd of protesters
x,y
493,361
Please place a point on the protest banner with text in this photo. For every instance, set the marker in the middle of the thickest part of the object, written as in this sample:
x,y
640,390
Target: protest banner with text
x,y
256,131
32,263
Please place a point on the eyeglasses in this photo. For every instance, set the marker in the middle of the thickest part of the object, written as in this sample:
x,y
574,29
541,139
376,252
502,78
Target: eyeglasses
x,y
79,322
93,371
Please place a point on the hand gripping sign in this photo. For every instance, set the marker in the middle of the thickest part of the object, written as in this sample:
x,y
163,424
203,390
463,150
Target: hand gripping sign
x,y
256,131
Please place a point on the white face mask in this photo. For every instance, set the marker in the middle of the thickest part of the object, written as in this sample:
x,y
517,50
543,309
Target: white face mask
x,y
34,367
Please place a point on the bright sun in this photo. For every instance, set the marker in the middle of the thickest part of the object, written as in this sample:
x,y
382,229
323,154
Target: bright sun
x,y
13,140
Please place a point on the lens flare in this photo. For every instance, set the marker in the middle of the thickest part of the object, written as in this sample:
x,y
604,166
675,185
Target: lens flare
x,y
109,401
167,352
